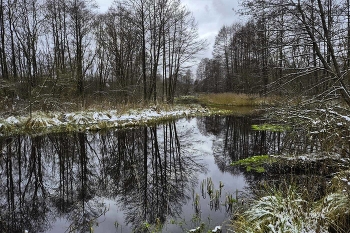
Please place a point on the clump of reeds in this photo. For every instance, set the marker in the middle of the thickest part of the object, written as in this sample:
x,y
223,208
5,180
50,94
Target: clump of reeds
x,y
39,122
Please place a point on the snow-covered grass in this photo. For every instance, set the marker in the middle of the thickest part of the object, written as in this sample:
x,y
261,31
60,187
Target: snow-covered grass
x,y
294,209
306,158
290,212
327,125
41,122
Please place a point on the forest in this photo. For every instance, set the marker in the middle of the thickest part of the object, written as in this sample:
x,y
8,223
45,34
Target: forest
x,y
289,48
141,51
55,50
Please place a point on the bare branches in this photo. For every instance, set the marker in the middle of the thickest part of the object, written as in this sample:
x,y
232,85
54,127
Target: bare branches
x,y
287,47
63,49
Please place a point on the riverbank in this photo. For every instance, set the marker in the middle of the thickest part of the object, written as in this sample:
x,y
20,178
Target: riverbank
x,y
97,117
46,122
312,193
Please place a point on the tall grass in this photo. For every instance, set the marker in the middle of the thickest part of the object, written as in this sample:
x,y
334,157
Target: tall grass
x,y
233,99
289,211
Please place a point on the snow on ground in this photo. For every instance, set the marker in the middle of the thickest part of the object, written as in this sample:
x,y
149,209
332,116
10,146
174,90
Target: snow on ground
x,y
12,120
312,157
90,120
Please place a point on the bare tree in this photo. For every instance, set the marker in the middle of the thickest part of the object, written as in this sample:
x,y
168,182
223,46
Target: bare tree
x,y
3,54
81,19
221,52
183,45
56,18
319,26
168,34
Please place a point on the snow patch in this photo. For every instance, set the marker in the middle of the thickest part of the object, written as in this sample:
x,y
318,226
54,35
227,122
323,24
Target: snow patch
x,y
217,229
99,116
12,120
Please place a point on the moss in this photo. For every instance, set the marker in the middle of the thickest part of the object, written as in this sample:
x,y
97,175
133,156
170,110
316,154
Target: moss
x,y
271,127
254,163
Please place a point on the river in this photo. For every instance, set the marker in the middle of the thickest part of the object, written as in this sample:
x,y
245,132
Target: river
x,y
169,177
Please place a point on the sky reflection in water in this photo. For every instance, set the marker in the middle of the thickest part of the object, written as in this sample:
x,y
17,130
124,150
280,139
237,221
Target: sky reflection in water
x,y
110,181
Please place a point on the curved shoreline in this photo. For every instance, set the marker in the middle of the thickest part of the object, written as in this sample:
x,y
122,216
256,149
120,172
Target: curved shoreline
x,y
54,122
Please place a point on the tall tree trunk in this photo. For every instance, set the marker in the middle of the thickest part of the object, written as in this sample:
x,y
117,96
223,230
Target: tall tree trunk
x,y
348,50
144,75
3,57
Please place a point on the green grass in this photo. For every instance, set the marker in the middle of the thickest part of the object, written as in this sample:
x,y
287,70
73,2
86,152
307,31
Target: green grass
x,y
254,163
271,127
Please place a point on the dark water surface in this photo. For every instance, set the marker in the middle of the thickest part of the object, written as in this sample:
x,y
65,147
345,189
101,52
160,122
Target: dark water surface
x,y
123,180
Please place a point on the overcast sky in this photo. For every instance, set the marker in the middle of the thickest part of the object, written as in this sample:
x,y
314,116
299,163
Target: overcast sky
x,y
210,15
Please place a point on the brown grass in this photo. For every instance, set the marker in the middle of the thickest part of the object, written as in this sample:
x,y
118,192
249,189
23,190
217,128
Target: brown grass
x,y
233,99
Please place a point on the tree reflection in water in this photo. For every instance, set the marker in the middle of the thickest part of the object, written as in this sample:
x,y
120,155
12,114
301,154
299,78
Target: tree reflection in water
x,y
22,188
49,177
64,180
151,173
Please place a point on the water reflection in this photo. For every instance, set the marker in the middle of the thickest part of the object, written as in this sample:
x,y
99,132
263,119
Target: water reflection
x,y
48,177
69,182
236,140
22,186
150,174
